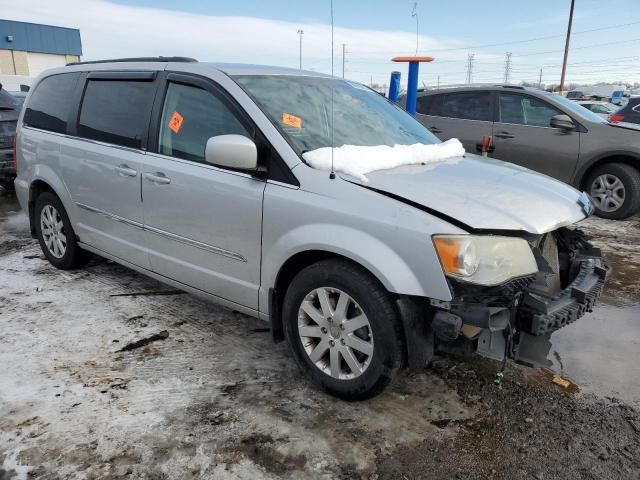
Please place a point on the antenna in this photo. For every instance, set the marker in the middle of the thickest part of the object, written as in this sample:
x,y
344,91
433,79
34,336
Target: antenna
x,y
332,175
414,13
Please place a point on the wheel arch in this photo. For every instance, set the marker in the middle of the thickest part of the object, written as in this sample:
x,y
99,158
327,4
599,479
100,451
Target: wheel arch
x,y
36,188
412,312
628,158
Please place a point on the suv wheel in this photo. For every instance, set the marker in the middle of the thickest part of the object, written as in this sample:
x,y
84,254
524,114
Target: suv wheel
x,y
57,238
615,190
343,328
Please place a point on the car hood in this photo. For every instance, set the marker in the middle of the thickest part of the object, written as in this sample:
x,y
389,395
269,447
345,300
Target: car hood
x,y
626,125
482,194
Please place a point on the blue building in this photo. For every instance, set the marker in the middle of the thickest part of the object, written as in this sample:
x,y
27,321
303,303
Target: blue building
x,y
26,49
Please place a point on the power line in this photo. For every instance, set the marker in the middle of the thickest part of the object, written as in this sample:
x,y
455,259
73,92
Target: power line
x,y
515,42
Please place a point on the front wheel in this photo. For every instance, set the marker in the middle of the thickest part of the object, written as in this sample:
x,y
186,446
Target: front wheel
x,y
615,190
343,328
55,234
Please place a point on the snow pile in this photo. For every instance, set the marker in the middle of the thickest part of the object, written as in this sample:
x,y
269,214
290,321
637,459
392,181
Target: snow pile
x,y
357,161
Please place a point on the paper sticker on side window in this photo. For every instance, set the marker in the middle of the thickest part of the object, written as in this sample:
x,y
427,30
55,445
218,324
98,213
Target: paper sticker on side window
x,y
291,120
175,123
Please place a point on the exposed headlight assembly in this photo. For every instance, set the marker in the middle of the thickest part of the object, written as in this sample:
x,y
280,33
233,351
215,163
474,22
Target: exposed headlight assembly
x,y
484,259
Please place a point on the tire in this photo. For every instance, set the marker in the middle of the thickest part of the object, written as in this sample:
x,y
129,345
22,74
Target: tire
x,y
606,184
335,370
51,216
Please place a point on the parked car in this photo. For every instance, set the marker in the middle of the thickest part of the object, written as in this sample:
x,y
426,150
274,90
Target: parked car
x,y
544,132
602,109
9,111
19,98
575,95
193,174
629,113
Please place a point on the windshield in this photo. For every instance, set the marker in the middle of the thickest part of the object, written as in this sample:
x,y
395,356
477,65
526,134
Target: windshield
x,y
300,106
577,108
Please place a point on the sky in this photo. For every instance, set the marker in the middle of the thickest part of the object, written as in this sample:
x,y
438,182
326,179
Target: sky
x,y
605,45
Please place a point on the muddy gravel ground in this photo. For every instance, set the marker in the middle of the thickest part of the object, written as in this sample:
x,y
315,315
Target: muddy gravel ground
x,y
100,379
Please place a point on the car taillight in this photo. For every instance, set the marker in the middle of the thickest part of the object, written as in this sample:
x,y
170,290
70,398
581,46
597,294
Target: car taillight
x,y
616,118
15,157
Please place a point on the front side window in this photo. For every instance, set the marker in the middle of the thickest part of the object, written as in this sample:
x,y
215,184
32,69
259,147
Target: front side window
x,y
48,106
116,111
597,108
190,116
525,110
468,106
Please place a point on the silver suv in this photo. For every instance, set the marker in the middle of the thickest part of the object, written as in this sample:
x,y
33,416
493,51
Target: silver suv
x,y
193,174
544,132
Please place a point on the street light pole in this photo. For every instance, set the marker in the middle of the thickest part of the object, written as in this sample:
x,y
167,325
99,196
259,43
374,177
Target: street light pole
x,y
566,47
300,32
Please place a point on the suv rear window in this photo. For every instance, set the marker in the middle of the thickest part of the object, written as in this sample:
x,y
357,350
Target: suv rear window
x,y
116,111
48,106
467,106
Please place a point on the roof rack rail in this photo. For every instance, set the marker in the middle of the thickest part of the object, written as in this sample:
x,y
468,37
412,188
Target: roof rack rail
x,y
472,85
139,59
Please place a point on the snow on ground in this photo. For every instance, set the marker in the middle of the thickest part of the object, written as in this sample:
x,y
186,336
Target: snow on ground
x,y
357,160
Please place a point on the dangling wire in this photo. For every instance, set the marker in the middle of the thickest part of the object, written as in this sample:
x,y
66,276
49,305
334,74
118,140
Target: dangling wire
x,y
332,175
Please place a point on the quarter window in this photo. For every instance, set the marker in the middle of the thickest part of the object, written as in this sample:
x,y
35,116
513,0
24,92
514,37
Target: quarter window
x,y
525,110
468,106
48,106
116,111
190,116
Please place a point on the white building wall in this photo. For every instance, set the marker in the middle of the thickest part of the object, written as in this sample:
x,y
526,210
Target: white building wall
x,y
38,62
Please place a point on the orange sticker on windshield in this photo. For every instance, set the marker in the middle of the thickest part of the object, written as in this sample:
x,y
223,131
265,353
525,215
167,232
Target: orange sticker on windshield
x,y
291,120
176,122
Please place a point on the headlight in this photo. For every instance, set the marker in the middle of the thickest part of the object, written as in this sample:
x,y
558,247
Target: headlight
x,y
484,259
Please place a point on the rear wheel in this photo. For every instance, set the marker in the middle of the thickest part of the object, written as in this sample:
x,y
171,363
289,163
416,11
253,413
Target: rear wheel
x,y
55,235
615,190
343,328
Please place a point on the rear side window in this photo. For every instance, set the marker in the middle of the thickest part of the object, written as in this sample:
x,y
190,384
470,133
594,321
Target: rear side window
x,y
190,117
468,106
48,106
116,111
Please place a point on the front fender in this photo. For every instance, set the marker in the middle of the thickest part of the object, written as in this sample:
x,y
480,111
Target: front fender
x,y
371,253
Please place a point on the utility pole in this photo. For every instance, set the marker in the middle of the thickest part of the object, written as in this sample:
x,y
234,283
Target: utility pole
x,y
344,50
540,80
300,33
438,82
566,47
507,68
470,68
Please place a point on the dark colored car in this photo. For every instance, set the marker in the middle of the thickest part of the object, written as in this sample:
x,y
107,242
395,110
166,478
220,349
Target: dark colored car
x,y
629,113
9,111
544,132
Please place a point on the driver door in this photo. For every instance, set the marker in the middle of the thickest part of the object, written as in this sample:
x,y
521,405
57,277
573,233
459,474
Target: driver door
x,y
522,134
203,222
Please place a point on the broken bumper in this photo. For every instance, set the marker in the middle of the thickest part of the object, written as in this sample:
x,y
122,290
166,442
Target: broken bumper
x,y
546,315
496,321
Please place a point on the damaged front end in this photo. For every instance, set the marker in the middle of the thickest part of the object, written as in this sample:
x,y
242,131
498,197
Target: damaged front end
x,y
499,321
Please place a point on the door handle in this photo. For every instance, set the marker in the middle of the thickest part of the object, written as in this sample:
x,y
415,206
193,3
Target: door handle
x,y
124,170
504,135
158,177
435,130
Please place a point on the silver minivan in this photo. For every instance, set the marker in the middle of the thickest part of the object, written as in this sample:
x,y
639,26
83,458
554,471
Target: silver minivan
x,y
194,174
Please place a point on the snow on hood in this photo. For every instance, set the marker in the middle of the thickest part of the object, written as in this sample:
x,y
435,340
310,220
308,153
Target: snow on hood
x,y
357,160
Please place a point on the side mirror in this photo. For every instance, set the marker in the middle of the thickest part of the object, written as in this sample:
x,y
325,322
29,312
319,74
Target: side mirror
x,y
563,122
232,151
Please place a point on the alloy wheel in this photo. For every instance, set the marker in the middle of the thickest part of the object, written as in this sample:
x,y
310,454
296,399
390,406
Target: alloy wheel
x,y
335,333
608,192
53,231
